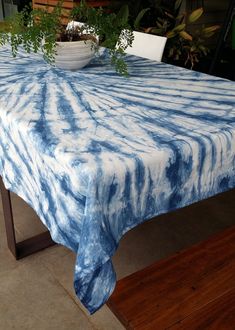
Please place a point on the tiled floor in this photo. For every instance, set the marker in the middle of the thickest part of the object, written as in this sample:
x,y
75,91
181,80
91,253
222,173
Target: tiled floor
x,y
37,292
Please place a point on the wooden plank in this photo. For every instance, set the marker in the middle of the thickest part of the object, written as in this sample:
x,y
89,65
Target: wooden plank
x,y
27,246
65,12
34,244
70,3
99,3
170,290
8,218
219,314
66,4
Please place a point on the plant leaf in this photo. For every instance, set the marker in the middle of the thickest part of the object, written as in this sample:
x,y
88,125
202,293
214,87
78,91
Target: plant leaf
x,y
203,49
170,34
148,30
178,4
180,17
123,14
195,15
210,29
185,35
208,35
169,15
179,28
193,48
156,31
139,17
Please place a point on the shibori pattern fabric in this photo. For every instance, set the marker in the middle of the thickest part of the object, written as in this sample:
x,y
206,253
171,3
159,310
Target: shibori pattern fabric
x,y
95,154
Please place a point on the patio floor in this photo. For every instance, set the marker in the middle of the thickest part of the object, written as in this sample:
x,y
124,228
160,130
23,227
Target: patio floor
x,y
37,292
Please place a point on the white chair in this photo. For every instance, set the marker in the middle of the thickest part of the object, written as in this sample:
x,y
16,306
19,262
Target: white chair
x,y
73,24
147,45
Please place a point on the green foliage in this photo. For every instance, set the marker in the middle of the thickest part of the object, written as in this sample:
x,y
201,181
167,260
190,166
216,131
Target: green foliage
x,y
39,30
139,18
112,28
163,18
195,15
34,30
187,46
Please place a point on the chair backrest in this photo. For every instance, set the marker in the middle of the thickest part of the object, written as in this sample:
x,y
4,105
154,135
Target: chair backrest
x,y
147,45
73,24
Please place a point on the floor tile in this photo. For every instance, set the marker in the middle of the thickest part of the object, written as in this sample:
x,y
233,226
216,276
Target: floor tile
x,y
31,298
62,270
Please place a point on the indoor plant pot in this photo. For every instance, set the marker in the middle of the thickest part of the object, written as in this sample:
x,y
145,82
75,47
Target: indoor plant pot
x,y
74,55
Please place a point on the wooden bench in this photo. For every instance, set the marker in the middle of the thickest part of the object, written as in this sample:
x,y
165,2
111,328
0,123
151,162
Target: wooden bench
x,y
194,289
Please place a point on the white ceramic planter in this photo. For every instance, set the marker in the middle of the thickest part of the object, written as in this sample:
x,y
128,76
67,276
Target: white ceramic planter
x,y
73,55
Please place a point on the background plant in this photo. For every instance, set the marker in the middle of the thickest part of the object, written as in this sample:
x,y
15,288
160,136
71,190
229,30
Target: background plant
x,y
183,45
162,17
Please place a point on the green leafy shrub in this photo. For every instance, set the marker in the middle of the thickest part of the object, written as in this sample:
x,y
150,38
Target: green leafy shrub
x,y
163,18
182,45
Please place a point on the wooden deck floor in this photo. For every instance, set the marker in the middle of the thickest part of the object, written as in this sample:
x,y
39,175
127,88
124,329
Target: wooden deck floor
x,y
194,289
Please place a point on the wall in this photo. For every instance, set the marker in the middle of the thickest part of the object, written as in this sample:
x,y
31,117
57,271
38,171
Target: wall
x,y
1,13
9,8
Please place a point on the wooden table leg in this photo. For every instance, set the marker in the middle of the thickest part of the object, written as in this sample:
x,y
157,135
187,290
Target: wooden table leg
x,y
25,247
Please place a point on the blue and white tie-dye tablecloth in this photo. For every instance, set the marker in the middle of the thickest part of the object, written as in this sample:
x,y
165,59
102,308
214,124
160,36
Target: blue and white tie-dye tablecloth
x,y
96,154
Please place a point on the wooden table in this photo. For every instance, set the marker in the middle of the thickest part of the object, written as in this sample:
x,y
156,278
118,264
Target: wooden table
x,y
26,247
96,154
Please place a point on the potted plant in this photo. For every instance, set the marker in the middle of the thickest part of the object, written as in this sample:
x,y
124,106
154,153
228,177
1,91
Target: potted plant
x,y
39,30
